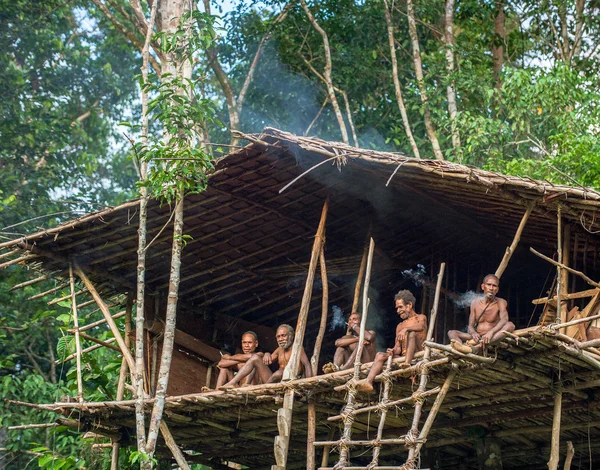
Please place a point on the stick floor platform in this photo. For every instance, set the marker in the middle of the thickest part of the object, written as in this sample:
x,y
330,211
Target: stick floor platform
x,y
508,397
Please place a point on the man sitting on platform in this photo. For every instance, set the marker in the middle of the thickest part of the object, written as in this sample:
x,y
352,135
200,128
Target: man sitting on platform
x,y
345,354
260,365
487,321
230,364
410,336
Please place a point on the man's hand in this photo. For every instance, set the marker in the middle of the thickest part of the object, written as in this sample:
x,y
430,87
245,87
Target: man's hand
x,y
476,336
267,359
389,351
486,338
366,343
401,336
226,356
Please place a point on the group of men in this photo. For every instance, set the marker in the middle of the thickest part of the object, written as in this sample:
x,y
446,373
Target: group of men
x,y
488,320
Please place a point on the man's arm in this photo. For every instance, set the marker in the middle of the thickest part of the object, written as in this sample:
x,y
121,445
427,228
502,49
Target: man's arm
x,y
472,319
268,358
346,341
397,349
369,335
308,372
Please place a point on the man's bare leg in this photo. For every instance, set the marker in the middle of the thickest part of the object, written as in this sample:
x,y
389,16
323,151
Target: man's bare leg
x,y
255,363
411,348
225,375
275,377
366,385
456,341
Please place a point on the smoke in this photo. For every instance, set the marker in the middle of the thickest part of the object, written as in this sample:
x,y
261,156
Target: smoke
x,y
338,320
464,300
416,275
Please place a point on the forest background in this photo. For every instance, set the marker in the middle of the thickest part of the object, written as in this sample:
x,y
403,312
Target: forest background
x,y
510,86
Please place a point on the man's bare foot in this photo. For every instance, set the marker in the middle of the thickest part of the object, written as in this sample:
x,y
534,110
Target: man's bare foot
x,y
330,367
205,389
460,347
364,386
472,342
404,365
477,348
226,387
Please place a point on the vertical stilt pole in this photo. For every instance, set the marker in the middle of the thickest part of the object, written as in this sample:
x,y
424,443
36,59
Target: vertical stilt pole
x,y
284,414
77,338
387,383
116,446
314,362
559,314
555,445
349,408
413,432
361,273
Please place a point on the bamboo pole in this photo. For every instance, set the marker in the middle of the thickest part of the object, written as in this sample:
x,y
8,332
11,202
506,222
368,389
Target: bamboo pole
x,y
284,414
327,449
564,280
77,338
124,368
555,442
18,260
107,316
99,341
513,246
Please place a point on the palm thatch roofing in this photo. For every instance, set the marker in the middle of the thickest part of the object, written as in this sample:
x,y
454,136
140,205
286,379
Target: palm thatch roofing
x,y
251,230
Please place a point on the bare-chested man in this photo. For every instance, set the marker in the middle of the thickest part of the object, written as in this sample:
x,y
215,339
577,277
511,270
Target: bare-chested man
x,y
410,335
487,321
229,364
260,365
345,354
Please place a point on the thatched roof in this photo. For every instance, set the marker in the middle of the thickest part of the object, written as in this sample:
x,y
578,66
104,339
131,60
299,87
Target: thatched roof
x,y
251,241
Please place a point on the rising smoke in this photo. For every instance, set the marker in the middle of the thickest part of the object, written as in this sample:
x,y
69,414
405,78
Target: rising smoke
x,y
464,300
338,320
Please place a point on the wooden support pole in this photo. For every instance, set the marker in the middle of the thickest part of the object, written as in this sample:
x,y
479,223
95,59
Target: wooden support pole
x,y
124,368
562,266
311,434
77,338
414,429
107,316
86,350
99,341
361,273
327,449
384,399
434,411
513,246
30,282
89,326
555,443
564,280
344,442
49,291
284,414
559,278
18,260
173,447
314,361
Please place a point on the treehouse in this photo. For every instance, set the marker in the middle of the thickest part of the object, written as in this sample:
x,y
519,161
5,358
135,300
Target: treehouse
x,y
292,229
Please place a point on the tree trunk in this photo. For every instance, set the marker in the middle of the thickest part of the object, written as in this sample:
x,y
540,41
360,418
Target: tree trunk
x,y
397,88
138,372
327,72
169,333
414,39
451,87
498,46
